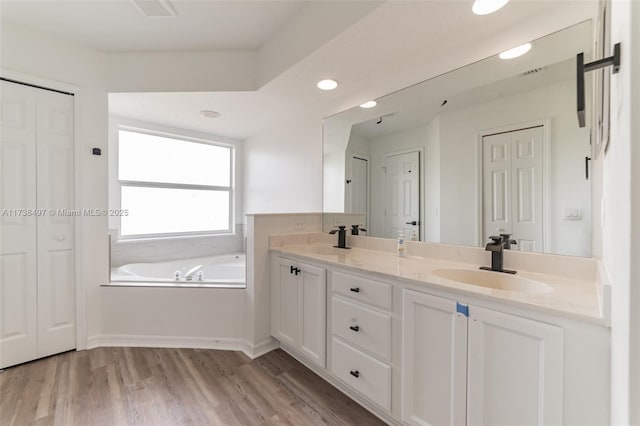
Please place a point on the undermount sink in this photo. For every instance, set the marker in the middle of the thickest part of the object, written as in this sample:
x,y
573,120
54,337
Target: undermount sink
x,y
495,280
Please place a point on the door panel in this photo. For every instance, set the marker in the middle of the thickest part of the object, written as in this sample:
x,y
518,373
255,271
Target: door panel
x,y
37,309
357,190
402,194
56,307
497,184
527,188
512,186
18,253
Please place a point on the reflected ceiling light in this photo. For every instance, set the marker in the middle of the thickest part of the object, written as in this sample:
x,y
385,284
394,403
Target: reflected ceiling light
x,y
369,104
210,114
485,7
327,84
516,51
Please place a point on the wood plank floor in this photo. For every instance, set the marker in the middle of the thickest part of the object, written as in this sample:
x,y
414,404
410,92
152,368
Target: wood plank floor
x,y
148,386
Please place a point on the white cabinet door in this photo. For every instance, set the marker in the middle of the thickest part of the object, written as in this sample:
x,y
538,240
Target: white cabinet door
x,y
312,312
434,360
284,301
514,370
18,252
298,307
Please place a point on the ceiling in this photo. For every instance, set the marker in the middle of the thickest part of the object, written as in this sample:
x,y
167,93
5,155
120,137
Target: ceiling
x,y
119,26
372,52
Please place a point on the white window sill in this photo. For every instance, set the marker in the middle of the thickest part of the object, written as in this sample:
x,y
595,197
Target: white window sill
x,y
173,238
190,284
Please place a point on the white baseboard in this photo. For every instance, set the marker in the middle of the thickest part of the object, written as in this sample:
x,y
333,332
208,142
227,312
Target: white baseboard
x,y
219,343
255,351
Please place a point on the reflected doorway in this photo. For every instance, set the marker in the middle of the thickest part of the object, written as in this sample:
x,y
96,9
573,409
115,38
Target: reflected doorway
x,y
402,194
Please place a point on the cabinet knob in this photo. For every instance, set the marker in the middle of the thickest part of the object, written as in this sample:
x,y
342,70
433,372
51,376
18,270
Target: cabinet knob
x,y
355,328
355,289
354,373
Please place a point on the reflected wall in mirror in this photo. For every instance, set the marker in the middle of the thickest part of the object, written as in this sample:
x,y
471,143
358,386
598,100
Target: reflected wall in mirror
x,y
490,148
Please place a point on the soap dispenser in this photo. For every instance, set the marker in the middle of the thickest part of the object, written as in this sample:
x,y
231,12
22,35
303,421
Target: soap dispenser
x,y
402,251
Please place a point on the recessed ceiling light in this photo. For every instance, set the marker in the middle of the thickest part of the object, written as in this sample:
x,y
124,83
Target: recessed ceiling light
x,y
210,114
369,104
327,84
516,51
485,7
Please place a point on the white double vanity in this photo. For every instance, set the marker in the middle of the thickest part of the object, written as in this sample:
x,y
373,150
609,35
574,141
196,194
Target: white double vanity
x,y
418,345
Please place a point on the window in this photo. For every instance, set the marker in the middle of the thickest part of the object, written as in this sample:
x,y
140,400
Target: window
x,y
170,185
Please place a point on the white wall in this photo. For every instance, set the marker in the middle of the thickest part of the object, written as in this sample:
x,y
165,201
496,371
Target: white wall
x,y
181,71
568,145
283,166
432,183
169,317
621,216
259,227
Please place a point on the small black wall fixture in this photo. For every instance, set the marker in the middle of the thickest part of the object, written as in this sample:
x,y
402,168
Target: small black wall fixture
x,y
592,66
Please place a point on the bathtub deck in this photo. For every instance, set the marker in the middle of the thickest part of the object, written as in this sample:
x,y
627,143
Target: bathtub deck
x,y
120,386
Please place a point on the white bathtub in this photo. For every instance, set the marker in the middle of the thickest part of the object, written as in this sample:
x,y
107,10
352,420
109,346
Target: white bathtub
x,y
216,271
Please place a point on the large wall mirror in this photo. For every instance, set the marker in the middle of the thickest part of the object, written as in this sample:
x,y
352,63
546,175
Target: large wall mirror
x,y
492,147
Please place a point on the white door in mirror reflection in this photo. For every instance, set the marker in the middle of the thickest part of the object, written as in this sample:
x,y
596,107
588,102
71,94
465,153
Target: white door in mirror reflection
x,y
402,194
512,186
357,188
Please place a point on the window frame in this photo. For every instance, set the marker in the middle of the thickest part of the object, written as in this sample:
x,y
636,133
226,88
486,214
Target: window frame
x,y
146,184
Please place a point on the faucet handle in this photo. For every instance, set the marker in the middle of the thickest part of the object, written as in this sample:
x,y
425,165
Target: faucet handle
x,y
496,238
337,229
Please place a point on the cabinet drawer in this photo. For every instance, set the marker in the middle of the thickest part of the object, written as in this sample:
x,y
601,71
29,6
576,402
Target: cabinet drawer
x,y
373,377
362,327
363,289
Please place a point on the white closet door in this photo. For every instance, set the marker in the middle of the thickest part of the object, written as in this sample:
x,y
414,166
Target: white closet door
x,y
512,186
56,297
18,285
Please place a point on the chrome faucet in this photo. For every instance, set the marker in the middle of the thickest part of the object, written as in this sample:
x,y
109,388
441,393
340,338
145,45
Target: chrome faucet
x,y
342,237
496,247
189,275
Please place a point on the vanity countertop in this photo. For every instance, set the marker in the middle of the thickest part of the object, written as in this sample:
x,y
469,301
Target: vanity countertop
x,y
569,297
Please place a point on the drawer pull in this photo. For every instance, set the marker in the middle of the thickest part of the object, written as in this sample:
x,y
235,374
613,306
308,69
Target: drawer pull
x,y
355,289
355,328
354,373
